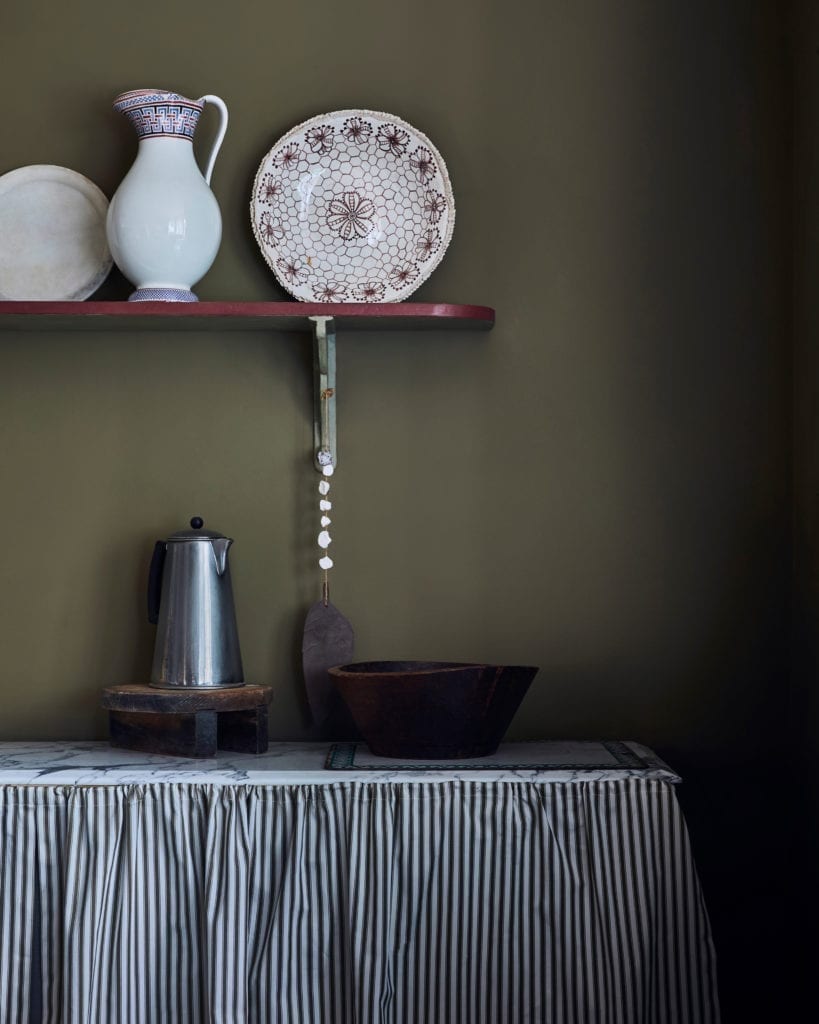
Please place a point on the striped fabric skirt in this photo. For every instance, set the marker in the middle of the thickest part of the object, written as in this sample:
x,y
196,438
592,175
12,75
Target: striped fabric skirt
x,y
352,903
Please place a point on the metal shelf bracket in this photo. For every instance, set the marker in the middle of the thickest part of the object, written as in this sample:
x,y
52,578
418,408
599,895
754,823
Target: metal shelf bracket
x,y
324,378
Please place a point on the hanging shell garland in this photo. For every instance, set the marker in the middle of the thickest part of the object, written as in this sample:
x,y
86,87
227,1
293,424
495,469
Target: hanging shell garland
x,y
324,540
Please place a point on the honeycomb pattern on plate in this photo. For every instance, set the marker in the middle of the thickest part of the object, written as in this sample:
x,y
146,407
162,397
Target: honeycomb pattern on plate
x,y
352,206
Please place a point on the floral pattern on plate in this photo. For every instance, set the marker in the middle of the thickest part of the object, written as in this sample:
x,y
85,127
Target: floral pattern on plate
x,y
352,206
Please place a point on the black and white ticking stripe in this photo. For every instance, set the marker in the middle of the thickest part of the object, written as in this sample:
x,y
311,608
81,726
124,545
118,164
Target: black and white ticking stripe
x,y
353,903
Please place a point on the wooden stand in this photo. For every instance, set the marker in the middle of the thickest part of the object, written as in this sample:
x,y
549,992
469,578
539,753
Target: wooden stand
x,y
188,722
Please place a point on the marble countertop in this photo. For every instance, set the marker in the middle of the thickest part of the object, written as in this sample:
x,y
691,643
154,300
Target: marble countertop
x,y
96,763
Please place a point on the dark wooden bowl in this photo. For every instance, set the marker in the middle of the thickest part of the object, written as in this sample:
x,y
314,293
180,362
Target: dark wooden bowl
x,y
432,709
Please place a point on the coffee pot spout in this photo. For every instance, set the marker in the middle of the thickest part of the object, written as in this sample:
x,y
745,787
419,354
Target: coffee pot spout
x,y
220,547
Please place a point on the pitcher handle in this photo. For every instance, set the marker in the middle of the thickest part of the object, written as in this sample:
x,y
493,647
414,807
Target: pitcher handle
x,y
220,135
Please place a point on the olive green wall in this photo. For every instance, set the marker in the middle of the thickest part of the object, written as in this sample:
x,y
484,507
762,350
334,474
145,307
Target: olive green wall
x,y
599,486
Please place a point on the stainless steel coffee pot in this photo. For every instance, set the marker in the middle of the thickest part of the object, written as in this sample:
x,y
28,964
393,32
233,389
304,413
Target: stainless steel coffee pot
x,y
191,601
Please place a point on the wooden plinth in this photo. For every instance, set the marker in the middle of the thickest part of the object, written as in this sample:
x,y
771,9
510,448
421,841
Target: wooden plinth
x,y
188,722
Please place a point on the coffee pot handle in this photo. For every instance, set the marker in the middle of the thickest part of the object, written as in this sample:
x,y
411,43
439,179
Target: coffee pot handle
x,y
155,580
220,135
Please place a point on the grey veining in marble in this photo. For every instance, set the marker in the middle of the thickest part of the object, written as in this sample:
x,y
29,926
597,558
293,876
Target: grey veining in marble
x,y
90,763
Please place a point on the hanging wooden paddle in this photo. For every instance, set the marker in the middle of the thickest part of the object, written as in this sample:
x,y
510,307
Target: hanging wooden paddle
x,y
328,636
328,640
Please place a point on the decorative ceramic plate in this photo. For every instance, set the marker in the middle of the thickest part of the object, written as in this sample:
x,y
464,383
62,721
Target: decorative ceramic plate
x,y
52,234
353,206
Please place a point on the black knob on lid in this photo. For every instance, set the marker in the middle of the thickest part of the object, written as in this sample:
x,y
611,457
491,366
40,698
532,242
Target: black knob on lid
x,y
197,523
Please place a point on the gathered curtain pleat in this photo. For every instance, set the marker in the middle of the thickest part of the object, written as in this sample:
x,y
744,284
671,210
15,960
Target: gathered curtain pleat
x,y
352,903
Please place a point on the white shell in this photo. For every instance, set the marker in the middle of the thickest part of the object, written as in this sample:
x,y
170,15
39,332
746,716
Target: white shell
x,y
325,505
326,520
324,539
328,470
324,487
325,562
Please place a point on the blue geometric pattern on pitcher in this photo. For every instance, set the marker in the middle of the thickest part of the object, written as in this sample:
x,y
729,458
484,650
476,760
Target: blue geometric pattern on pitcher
x,y
163,295
151,120
134,97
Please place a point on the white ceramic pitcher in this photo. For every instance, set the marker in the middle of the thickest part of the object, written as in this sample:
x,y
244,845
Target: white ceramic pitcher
x,y
164,225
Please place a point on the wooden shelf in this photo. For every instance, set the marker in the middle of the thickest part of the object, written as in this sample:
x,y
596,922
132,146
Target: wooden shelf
x,y
283,316
327,320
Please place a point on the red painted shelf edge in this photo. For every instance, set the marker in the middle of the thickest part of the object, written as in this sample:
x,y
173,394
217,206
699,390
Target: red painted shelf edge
x,y
271,310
